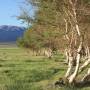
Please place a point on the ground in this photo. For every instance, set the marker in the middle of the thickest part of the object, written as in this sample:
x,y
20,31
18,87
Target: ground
x,y
19,70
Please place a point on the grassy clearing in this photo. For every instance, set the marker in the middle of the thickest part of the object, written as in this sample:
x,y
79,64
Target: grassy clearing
x,y
21,71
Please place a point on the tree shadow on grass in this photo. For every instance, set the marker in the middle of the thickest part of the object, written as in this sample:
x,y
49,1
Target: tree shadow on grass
x,y
83,84
75,86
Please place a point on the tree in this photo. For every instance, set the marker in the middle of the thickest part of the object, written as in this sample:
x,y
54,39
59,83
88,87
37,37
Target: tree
x,y
77,42
58,19
44,26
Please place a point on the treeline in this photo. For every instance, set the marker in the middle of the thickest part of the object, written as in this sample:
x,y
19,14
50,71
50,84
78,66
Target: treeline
x,y
60,25
49,23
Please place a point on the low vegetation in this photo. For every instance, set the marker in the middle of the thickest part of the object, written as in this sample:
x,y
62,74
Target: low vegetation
x,y
20,70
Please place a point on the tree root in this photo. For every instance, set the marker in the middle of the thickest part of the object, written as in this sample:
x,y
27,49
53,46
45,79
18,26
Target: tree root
x,y
79,84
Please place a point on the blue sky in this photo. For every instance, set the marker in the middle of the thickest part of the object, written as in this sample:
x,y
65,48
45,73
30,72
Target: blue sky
x,y
9,9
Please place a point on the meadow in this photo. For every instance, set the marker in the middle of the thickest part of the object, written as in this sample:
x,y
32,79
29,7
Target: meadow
x,y
20,70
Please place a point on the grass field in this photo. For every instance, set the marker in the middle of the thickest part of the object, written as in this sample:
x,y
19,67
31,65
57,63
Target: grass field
x,y
21,71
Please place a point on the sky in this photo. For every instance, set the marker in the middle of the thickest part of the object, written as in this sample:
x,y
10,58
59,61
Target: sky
x,y
8,10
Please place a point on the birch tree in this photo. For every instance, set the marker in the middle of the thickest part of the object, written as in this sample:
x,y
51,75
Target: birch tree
x,y
70,19
78,47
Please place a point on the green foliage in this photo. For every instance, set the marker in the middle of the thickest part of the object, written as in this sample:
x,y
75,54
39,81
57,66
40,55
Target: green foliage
x,y
45,30
48,25
32,39
20,42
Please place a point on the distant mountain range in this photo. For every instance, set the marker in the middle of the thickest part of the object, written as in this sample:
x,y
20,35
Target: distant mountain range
x,y
10,33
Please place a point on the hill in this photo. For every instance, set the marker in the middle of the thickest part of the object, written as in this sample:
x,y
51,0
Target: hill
x,y
10,33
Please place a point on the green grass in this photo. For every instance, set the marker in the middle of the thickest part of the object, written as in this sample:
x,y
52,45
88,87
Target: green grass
x,y
20,70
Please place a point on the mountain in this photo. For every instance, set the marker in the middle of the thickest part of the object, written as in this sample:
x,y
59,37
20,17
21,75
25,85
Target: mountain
x,y
10,33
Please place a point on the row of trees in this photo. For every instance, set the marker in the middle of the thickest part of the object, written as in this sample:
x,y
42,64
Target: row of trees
x,y
61,24
45,33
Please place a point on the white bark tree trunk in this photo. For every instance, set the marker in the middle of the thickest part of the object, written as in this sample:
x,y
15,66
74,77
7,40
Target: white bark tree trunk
x,y
73,76
86,63
86,77
76,43
70,65
48,52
